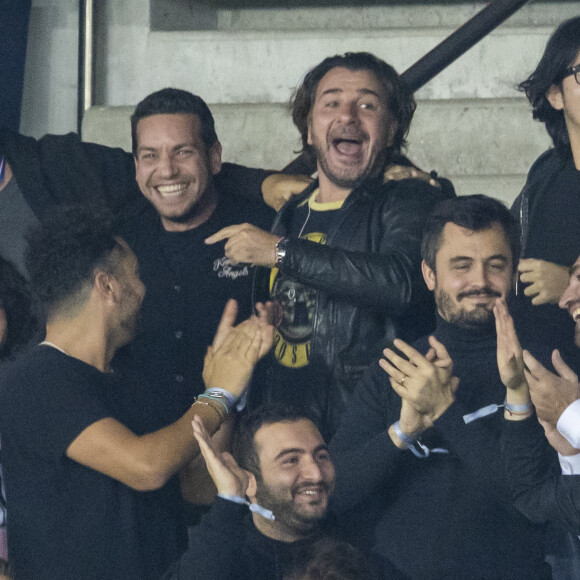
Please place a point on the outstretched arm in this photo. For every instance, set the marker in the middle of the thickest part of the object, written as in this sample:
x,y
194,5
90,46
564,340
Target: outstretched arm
x,y
147,462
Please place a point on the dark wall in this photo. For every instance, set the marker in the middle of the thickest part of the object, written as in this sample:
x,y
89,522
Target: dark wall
x,y
14,17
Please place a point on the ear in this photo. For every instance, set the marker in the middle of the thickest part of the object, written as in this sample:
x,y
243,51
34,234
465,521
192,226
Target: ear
x,y
309,126
428,276
215,158
555,98
252,487
106,286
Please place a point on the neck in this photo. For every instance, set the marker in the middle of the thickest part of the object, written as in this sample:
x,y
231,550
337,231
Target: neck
x,y
199,214
277,530
330,191
82,339
574,137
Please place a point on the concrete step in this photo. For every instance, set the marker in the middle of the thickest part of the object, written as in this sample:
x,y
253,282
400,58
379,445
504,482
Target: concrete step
x,y
170,15
258,67
483,146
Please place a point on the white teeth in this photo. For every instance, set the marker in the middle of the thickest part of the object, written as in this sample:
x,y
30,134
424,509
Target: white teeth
x,y
171,190
576,314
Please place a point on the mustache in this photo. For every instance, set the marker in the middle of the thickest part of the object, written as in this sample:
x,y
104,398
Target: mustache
x,y
356,134
485,291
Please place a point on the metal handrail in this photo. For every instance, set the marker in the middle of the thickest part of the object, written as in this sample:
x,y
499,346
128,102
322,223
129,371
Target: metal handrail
x,y
416,76
460,41
85,60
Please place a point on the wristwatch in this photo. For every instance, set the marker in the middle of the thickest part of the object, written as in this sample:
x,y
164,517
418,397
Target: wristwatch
x,y
281,247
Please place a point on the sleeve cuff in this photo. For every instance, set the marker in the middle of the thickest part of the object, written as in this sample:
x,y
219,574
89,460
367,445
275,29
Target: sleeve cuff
x,y
570,464
569,424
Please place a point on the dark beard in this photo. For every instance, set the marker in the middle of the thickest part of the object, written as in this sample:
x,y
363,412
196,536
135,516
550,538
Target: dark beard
x,y
344,182
477,318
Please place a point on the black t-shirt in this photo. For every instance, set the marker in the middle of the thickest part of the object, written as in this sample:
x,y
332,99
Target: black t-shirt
x,y
188,284
68,521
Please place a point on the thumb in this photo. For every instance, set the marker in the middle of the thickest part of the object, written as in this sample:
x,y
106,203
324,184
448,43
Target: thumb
x,y
562,368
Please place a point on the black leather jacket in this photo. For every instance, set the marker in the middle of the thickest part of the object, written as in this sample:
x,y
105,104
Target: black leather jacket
x,y
369,281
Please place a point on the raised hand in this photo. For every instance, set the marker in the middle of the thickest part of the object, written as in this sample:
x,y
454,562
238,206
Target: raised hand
x,y
278,188
425,384
230,365
546,280
265,317
228,477
400,172
510,358
550,393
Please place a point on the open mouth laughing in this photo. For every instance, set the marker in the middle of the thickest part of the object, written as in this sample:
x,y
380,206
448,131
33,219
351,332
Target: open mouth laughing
x,y
172,190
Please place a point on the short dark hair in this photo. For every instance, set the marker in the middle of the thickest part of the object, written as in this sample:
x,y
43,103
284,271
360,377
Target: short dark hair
x,y
400,101
174,102
328,559
16,299
559,55
473,212
64,252
244,447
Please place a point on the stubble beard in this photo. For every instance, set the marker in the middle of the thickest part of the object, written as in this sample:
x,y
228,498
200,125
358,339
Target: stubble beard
x,y
450,311
348,178
286,512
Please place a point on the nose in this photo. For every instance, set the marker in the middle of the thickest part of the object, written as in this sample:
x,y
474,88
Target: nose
x,y
348,111
311,470
166,166
480,276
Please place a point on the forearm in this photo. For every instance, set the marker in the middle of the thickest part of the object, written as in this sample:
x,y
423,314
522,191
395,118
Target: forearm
x,y
159,455
364,455
374,279
364,470
539,492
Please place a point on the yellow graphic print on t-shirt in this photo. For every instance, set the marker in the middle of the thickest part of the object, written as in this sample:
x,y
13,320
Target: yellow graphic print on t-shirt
x,y
296,305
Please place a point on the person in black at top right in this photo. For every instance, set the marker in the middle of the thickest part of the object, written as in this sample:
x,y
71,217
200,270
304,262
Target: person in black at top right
x,y
548,205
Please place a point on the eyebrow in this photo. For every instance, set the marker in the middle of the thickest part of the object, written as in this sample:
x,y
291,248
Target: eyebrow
x,y
175,148
300,450
359,91
500,257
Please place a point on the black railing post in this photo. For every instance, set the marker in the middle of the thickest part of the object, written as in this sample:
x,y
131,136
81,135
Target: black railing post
x,y
460,41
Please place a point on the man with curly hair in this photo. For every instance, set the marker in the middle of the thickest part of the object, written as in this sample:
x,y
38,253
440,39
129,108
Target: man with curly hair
x,y
81,475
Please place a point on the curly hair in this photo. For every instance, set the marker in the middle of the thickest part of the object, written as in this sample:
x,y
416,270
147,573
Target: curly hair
x,y
174,102
559,55
16,300
400,101
64,252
